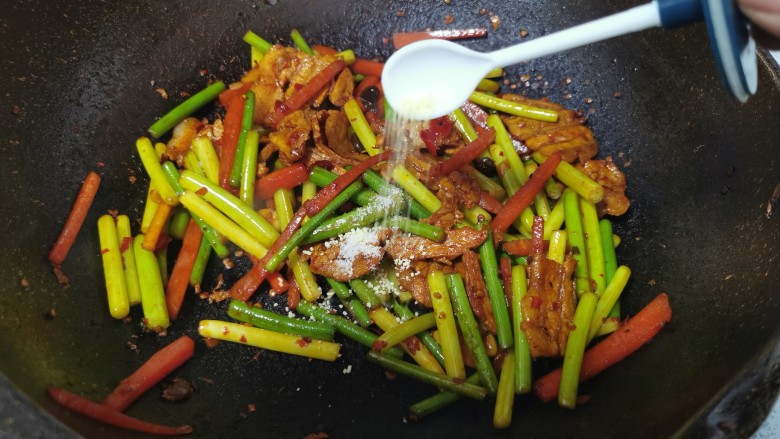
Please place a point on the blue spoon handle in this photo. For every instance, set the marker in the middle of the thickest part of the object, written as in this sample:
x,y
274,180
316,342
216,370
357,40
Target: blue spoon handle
x,y
679,12
728,31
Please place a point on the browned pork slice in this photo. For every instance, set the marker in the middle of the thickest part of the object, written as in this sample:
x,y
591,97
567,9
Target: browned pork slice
x,y
470,270
181,138
414,248
413,278
548,307
567,135
291,135
607,174
348,256
342,88
332,144
280,72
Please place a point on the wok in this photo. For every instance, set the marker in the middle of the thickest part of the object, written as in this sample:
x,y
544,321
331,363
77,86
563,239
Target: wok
x,y
78,87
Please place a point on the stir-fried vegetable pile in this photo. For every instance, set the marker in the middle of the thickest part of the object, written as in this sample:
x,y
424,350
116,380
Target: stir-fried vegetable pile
x,y
456,250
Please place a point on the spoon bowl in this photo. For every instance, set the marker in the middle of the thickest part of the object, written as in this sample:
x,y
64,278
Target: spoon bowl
x,y
430,78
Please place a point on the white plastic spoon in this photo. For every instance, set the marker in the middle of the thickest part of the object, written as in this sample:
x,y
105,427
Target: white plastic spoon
x,y
431,78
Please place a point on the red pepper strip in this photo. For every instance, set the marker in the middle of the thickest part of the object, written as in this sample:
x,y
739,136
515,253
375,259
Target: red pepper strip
x,y
127,241
180,275
401,39
465,155
110,416
324,50
293,294
285,178
226,96
537,236
477,115
156,368
437,132
306,92
505,270
523,197
522,247
489,202
75,218
368,81
232,128
429,139
365,67
277,282
247,284
635,332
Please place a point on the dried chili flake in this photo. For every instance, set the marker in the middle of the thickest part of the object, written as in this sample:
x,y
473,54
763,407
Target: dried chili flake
x,y
378,345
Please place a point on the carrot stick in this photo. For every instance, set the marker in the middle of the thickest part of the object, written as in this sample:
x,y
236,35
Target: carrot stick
x,y
634,333
232,128
154,370
156,227
180,276
111,416
226,96
306,93
466,154
401,39
75,218
247,284
365,67
285,178
524,196
324,50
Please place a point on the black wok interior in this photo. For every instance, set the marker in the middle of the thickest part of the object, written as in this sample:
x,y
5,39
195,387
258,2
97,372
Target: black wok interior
x,y
78,86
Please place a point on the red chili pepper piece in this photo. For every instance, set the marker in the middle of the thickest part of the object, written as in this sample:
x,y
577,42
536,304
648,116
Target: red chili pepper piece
x,y
438,131
466,154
